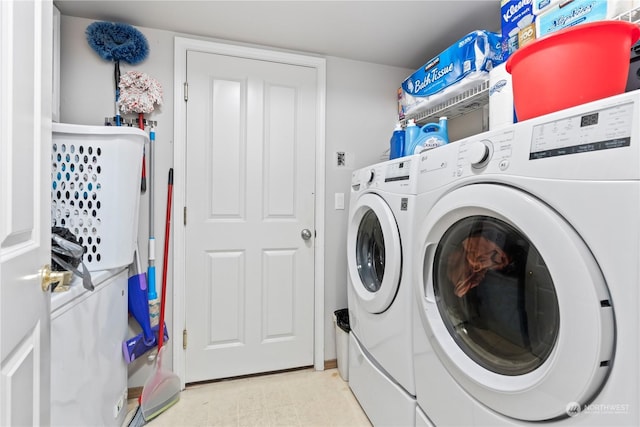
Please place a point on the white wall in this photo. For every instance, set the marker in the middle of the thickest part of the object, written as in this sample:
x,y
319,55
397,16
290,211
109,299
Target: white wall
x,y
361,113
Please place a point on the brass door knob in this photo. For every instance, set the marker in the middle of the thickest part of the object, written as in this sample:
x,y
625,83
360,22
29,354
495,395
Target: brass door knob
x,y
50,277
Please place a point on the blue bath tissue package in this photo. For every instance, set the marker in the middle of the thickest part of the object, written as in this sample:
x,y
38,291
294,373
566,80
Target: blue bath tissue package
x,y
469,59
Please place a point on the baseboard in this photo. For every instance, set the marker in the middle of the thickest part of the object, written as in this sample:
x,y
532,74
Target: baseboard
x,y
134,392
331,364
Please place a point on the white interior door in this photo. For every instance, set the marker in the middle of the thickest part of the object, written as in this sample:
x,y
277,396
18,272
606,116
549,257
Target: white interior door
x,y
25,172
249,290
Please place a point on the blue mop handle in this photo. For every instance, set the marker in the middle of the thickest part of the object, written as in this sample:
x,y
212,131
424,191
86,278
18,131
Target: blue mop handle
x,y
151,273
151,270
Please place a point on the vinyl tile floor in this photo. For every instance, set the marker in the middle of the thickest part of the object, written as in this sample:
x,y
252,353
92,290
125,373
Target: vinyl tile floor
x,y
294,398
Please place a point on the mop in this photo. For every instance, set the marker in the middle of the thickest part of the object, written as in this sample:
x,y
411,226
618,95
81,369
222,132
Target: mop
x,y
162,389
115,41
139,94
154,302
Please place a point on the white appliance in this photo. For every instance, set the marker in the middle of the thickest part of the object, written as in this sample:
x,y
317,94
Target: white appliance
x,y
527,279
88,370
379,290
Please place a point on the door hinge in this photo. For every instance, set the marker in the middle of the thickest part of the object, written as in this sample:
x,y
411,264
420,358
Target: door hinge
x,y
184,216
184,339
186,91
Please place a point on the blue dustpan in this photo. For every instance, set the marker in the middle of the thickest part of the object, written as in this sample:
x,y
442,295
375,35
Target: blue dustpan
x,y
139,309
139,305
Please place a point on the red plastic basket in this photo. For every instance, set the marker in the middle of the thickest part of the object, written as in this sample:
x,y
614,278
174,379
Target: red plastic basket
x,y
571,67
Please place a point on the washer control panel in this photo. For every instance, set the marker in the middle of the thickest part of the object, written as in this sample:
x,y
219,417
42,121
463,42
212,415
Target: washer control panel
x,y
602,129
489,152
598,141
490,148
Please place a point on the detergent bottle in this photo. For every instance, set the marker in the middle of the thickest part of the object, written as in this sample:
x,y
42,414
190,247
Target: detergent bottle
x,y
412,132
397,142
432,135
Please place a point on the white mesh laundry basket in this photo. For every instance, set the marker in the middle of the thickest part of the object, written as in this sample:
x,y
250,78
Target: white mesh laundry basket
x,y
95,189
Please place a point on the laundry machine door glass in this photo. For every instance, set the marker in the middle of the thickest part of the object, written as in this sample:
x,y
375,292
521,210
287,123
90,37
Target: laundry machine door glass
x,y
495,295
374,253
513,302
370,252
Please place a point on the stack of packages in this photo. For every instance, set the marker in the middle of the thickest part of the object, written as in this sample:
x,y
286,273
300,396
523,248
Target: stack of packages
x,y
480,56
524,21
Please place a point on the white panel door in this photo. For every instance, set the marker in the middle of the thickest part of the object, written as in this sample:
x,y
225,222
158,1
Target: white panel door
x,y
249,195
25,177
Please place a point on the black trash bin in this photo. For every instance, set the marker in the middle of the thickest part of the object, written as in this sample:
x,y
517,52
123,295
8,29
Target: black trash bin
x,y
341,322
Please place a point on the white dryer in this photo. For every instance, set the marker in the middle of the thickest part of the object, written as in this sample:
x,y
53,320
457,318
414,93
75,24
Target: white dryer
x,y
380,296
527,272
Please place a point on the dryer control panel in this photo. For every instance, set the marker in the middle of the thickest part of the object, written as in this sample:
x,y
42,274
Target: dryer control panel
x,y
398,175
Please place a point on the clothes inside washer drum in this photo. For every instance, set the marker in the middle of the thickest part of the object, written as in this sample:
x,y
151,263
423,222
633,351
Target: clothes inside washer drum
x,y
468,265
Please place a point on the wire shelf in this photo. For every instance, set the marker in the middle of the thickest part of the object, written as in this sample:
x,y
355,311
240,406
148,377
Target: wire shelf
x,y
478,97
469,100
632,15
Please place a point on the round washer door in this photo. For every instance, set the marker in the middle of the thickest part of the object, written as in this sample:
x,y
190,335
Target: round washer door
x,y
374,253
513,302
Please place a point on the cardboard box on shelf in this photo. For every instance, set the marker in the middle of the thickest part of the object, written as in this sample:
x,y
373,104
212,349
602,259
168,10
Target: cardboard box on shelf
x,y
518,24
556,15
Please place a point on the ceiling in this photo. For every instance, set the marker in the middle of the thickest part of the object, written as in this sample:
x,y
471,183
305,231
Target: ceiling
x,y
398,33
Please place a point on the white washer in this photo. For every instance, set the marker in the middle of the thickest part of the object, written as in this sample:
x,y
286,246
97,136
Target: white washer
x,y
379,290
527,272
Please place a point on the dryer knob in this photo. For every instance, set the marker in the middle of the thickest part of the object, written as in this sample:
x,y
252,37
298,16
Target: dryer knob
x,y
372,175
478,153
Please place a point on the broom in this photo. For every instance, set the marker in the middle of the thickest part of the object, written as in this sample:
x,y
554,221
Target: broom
x,y
162,389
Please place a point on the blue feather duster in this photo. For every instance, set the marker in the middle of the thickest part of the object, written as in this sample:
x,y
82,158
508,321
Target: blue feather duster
x,y
115,41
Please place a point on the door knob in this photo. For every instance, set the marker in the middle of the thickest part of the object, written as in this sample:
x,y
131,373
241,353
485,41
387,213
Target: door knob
x,y
50,277
306,234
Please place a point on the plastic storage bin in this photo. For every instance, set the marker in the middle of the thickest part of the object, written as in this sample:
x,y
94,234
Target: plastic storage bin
x,y
88,373
95,189
341,324
544,72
